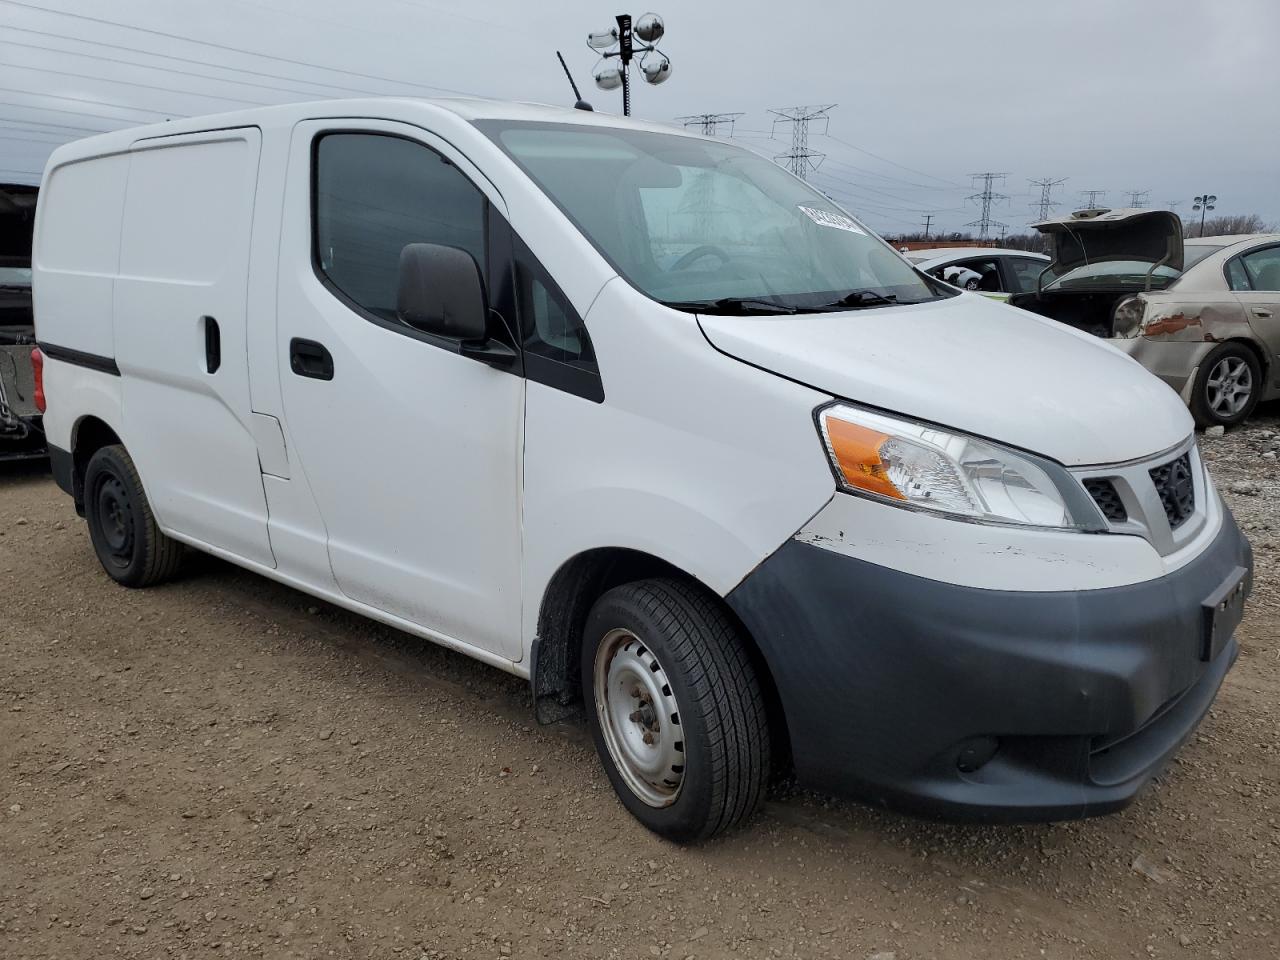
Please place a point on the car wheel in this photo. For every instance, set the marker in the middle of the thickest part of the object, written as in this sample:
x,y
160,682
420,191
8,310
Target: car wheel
x,y
675,709
123,530
1227,386
971,284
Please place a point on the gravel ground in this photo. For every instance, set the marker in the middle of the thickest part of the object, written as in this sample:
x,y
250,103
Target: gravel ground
x,y
223,766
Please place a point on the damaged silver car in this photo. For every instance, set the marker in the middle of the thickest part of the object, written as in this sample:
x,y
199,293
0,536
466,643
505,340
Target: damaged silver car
x,y
1203,316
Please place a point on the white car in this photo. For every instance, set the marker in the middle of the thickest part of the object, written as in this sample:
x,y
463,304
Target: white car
x,y
643,418
995,272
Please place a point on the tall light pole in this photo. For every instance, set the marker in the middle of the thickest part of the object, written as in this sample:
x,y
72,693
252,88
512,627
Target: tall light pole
x,y
1204,203
620,42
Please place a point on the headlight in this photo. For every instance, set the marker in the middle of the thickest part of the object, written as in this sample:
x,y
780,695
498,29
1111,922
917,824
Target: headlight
x,y
920,466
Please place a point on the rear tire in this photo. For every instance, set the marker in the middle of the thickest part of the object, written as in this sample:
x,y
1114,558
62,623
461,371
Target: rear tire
x,y
123,529
1227,386
675,709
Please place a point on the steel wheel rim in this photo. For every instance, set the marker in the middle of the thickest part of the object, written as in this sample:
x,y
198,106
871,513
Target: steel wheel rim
x,y
1229,387
115,519
639,717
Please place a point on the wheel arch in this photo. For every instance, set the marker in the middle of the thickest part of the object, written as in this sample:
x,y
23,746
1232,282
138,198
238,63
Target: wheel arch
x,y
1259,354
568,598
89,434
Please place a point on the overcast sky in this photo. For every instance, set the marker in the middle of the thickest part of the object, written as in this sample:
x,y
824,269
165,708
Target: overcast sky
x,y
1175,97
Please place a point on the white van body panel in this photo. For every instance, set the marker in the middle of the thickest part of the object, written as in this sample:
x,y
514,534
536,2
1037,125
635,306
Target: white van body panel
x,y
1068,395
184,265
76,248
413,452
81,394
693,457
995,557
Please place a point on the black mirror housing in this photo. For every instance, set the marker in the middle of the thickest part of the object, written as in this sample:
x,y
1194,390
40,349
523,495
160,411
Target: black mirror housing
x,y
441,292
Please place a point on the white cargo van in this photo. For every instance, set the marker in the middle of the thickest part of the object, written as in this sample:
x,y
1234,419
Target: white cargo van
x,y
641,417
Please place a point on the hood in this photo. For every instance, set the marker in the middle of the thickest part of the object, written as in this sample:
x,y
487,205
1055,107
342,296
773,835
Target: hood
x,y
973,365
1088,236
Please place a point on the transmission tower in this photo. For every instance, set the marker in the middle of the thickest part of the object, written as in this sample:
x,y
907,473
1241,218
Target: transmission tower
x,y
987,197
1045,205
1091,198
1138,198
710,122
1172,204
801,160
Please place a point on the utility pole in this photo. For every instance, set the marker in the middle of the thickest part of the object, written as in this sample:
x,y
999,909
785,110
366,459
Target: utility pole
x,y
1172,204
1138,198
710,122
800,160
1045,204
1003,231
987,197
928,220
1204,203
1091,198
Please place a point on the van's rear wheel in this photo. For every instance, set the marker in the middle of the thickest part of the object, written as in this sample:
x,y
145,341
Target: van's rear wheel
x,y
675,709
123,530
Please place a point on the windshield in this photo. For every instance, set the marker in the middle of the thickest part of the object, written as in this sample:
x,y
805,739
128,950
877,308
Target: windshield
x,y
1111,273
704,225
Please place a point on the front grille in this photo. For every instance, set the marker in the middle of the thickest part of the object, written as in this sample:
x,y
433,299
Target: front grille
x,y
1104,495
1177,491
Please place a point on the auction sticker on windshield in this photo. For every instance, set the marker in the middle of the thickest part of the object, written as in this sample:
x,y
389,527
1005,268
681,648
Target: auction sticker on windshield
x,y
825,218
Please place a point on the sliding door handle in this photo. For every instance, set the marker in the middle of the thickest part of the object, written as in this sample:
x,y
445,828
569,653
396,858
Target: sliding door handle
x,y
310,359
212,345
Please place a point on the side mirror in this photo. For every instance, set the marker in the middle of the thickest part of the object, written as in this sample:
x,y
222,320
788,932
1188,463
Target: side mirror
x,y
441,292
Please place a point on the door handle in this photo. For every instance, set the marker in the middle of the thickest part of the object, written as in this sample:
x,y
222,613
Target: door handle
x,y
310,359
1262,312
212,345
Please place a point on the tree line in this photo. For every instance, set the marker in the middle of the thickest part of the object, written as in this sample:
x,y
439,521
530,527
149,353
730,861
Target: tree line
x,y
1227,225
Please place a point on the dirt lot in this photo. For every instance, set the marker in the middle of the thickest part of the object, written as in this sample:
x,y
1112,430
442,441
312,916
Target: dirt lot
x,y
222,766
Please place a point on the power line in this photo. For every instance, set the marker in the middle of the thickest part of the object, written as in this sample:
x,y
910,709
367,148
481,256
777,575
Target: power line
x,y
1138,198
710,122
133,83
186,60
987,197
31,126
96,103
47,143
1045,204
1091,198
893,163
227,47
800,160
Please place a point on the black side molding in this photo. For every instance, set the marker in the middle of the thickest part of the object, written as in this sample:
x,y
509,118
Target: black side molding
x,y
81,359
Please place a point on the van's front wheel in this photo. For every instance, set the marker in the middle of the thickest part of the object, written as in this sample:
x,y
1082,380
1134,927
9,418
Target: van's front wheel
x,y
675,709
123,530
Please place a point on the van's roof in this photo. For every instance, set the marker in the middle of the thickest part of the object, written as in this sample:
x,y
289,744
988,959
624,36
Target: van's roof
x,y
287,114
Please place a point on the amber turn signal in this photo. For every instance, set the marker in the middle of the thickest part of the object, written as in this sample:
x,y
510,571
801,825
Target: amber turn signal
x,y
856,450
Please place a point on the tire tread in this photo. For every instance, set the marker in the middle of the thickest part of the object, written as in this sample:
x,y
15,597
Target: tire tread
x,y
717,666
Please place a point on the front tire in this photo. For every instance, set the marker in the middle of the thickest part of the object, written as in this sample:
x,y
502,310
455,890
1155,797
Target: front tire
x,y
123,529
1227,386
675,708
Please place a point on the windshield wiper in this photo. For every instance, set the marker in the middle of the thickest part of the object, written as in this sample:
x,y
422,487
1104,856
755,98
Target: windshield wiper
x,y
857,299
744,305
